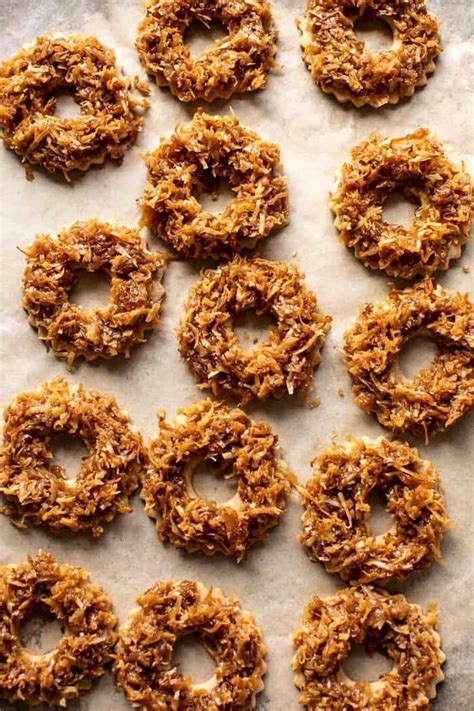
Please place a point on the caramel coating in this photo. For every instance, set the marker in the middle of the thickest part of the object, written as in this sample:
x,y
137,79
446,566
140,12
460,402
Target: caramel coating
x,y
41,493
167,611
29,83
386,623
135,300
195,159
335,525
283,363
417,165
440,393
84,611
234,446
340,63
237,63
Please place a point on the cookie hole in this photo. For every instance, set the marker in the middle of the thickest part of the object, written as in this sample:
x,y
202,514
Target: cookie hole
x,y
68,453
91,290
252,329
199,37
40,633
192,658
416,354
66,106
397,210
361,666
213,484
216,201
380,520
376,35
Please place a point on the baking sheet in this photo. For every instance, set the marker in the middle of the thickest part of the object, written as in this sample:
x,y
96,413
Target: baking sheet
x,y
315,134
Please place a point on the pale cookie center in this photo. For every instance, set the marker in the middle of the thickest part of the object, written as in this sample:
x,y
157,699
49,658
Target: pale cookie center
x,y
252,329
204,484
66,106
397,210
359,666
39,635
417,353
376,35
194,661
91,290
217,201
199,37
68,453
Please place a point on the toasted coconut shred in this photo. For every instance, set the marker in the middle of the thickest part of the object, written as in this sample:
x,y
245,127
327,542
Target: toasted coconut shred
x,y
282,364
336,527
237,63
29,83
194,160
39,492
385,623
235,447
340,63
417,165
438,394
144,668
135,298
85,613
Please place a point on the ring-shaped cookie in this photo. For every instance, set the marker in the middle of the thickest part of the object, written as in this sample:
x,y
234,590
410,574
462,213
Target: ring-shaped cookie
x,y
83,610
281,364
335,524
340,63
144,668
39,491
197,158
400,631
416,165
29,83
135,297
234,446
237,63
440,393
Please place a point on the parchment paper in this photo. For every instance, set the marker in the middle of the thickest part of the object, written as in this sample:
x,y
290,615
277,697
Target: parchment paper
x,y
315,134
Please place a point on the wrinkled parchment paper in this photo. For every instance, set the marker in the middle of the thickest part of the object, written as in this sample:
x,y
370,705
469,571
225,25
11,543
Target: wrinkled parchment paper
x,y
315,134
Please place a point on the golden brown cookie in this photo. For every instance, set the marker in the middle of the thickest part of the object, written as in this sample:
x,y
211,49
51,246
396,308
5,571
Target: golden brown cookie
x,y
135,299
29,83
196,159
415,164
37,491
340,63
234,446
167,611
385,623
282,364
85,613
440,393
237,63
336,526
